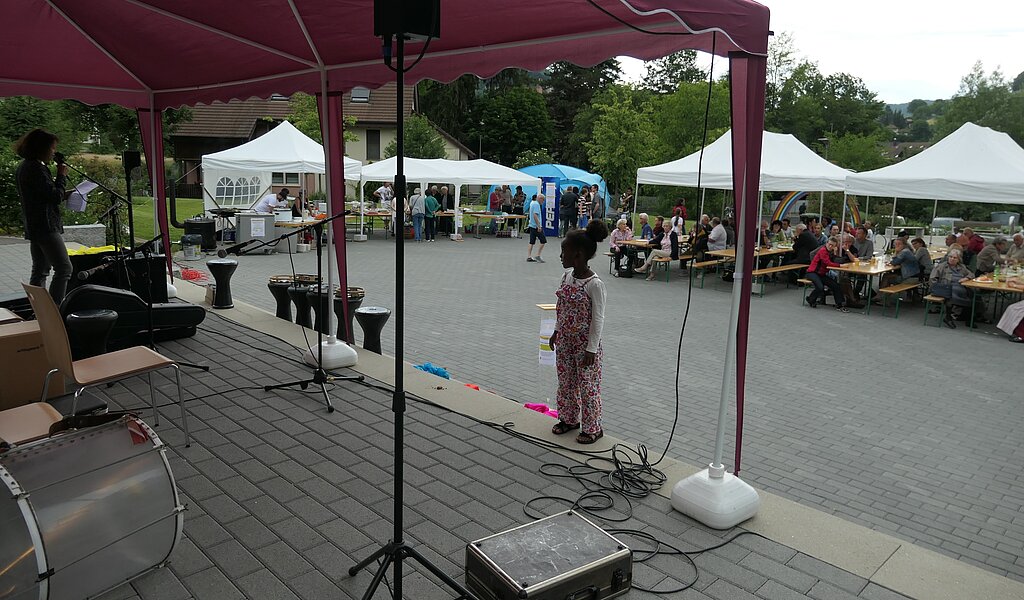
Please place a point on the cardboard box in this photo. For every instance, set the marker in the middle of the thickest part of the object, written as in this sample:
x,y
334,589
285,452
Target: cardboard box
x,y
7,316
23,365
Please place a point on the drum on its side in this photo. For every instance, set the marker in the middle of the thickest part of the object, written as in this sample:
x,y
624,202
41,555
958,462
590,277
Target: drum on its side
x,y
85,511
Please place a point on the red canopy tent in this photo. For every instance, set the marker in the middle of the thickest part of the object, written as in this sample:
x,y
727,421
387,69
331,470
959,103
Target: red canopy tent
x,y
154,54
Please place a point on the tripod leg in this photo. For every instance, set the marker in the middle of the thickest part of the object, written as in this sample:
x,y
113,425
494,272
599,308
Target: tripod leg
x,y
327,398
379,575
194,366
369,560
302,383
444,577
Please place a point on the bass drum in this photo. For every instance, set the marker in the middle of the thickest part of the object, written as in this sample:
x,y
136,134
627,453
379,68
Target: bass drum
x,y
85,511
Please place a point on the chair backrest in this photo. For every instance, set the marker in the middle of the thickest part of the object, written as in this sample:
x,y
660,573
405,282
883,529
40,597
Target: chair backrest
x,y
51,327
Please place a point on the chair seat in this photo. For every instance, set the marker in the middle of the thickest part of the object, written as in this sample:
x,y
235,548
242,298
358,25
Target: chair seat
x,y
27,423
118,364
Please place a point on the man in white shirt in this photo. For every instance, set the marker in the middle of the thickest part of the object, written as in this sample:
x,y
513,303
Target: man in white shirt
x,y
268,203
718,238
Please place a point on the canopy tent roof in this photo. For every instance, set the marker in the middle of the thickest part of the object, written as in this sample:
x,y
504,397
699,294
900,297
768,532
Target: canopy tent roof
x,y
786,165
442,170
283,149
973,163
167,53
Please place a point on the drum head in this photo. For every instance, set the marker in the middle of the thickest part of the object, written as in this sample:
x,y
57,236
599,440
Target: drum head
x,y
305,278
281,279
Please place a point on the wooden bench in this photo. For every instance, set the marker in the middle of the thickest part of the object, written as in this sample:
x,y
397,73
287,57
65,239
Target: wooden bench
x,y
928,301
808,286
773,270
659,262
895,291
703,267
611,262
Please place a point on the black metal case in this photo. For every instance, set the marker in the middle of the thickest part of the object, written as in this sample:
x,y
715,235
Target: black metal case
x,y
561,557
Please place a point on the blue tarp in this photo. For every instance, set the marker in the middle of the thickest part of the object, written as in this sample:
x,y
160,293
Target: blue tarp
x,y
566,177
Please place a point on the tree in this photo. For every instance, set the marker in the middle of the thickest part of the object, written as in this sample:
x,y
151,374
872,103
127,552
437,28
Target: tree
x,y
679,118
985,99
305,116
665,74
623,132
513,121
569,88
450,105
21,114
858,152
421,140
528,158
1018,83
782,59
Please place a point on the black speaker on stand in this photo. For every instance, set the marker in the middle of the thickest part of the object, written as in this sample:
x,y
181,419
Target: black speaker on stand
x,y
131,160
395,19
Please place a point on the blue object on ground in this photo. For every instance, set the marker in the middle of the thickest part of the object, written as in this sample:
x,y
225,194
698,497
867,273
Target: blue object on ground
x,y
434,369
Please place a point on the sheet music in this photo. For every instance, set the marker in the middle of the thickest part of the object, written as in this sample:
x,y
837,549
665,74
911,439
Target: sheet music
x,y
77,199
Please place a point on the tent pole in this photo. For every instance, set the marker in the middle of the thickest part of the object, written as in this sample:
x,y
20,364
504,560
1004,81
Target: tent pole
x,y
892,223
867,204
935,209
636,195
842,225
703,193
760,214
455,217
821,207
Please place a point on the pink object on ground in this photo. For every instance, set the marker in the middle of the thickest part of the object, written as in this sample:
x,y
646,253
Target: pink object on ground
x,y
542,408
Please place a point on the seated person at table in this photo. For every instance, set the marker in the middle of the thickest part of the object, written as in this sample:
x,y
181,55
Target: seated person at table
x,y
947,281
818,274
848,254
907,262
518,201
669,243
788,232
924,258
619,234
991,255
776,232
972,244
1012,321
819,236
646,232
268,203
803,245
730,233
950,240
1015,251
862,242
718,238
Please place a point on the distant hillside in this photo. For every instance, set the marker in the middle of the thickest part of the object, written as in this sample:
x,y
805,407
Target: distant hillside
x,y
902,108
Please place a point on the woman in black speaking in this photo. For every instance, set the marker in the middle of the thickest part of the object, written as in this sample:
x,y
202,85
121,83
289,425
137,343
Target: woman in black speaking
x,y
41,197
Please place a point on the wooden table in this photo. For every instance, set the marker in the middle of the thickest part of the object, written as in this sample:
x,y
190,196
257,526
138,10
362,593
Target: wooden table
x,y
383,215
867,269
760,252
632,250
937,254
986,284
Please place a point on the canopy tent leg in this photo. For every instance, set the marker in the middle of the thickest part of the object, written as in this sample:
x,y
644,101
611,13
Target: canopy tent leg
x,y
703,194
335,353
935,209
867,205
842,226
636,196
713,496
361,236
821,207
456,221
892,223
760,214
152,128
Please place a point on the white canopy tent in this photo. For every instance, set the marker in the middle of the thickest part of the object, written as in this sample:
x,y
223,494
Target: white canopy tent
x,y
786,165
974,164
239,176
441,170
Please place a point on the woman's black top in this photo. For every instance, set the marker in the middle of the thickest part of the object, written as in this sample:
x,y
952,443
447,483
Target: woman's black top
x,y
41,196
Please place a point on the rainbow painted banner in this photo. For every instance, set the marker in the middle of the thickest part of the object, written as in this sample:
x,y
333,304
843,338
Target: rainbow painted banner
x,y
793,197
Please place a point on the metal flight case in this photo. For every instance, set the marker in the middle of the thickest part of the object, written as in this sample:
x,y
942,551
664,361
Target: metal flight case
x,y
561,557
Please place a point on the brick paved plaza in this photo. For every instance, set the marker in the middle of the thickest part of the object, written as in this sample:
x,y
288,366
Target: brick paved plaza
x,y
908,430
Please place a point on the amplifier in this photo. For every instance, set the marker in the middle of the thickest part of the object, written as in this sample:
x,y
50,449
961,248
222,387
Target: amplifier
x,y
561,557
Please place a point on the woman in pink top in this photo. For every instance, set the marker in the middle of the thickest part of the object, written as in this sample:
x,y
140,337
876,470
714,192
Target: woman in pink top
x,y
620,234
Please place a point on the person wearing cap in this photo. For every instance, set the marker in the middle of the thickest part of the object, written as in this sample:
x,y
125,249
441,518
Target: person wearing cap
x,y
268,203
990,255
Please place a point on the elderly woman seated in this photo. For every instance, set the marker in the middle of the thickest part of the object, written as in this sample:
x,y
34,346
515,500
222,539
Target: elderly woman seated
x,y
947,282
668,247
620,234
908,263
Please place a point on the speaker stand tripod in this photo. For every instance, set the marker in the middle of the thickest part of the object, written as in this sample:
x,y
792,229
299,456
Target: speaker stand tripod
x,y
397,550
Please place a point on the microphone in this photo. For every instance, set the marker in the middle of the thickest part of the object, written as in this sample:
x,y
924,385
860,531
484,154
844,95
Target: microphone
x,y
83,275
223,252
58,158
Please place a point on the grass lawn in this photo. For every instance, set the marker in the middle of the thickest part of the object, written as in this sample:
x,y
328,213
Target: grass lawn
x,y
142,212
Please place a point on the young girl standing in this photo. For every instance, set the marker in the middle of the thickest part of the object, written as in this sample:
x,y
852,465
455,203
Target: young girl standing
x,y
581,299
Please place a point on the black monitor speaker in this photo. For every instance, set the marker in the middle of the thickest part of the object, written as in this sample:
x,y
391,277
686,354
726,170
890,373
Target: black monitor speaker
x,y
417,19
132,159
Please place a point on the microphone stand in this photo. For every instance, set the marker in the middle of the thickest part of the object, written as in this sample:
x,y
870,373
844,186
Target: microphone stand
x,y
320,376
112,212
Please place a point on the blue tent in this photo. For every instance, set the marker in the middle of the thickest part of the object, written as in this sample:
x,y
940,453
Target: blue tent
x,y
566,176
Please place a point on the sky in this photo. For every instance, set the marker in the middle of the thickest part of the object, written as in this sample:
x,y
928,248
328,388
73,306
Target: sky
x,y
903,49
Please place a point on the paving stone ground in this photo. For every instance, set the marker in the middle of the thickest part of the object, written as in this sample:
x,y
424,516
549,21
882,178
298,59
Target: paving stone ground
x,y
909,430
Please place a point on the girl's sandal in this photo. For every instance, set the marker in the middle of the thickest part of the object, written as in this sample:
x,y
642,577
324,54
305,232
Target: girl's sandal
x,y
589,438
563,427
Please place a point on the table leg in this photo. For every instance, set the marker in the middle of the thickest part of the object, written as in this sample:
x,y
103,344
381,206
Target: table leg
x,y
871,289
476,229
974,302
